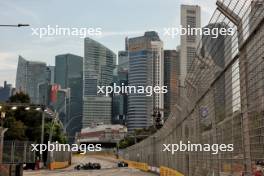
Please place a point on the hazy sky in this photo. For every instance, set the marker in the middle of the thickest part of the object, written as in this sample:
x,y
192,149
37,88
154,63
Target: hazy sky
x,y
117,18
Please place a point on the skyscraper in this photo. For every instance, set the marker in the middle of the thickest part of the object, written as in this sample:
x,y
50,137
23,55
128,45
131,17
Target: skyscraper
x,y
146,67
96,110
190,18
50,72
30,76
171,79
45,89
98,67
119,101
68,74
5,92
123,60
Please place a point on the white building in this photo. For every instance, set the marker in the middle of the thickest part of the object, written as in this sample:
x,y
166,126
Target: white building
x,y
190,18
102,134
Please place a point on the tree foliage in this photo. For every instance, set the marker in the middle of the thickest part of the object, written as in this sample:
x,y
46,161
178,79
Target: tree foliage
x,y
16,129
19,97
126,142
26,124
137,136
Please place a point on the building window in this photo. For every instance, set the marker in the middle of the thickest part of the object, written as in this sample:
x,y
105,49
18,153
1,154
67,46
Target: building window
x,y
191,23
191,11
191,51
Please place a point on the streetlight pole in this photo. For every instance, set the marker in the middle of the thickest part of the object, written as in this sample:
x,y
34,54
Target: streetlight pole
x,y
39,108
17,25
2,132
69,122
154,151
42,132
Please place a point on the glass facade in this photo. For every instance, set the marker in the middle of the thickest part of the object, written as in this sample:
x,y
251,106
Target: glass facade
x,y
171,80
98,67
97,110
119,101
5,92
146,68
68,74
30,76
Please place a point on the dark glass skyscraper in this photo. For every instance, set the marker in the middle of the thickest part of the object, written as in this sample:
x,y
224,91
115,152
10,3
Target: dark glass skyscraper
x,y
68,74
119,101
5,92
171,79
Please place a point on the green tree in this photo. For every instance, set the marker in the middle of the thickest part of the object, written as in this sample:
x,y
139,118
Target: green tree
x,y
16,129
26,124
126,142
19,98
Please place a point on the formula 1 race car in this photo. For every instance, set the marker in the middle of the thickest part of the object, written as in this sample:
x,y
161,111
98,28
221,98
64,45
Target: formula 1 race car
x,y
122,164
88,166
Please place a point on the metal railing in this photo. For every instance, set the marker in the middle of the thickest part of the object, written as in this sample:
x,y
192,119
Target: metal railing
x,y
18,152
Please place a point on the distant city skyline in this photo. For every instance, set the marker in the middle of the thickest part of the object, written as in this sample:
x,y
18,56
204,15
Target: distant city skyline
x,y
117,18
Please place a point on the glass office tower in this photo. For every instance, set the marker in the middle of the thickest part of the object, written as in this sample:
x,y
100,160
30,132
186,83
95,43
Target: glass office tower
x,y
68,74
146,68
30,76
98,68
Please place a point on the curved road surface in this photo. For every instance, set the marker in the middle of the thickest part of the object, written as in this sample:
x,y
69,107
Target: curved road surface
x,y
109,168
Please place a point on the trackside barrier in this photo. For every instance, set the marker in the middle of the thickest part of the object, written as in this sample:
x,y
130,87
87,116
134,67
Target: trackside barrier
x,y
59,159
164,171
11,170
58,165
103,153
137,165
154,169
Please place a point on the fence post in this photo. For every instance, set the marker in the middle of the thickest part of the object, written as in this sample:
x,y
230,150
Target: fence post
x,y
2,132
245,118
12,151
25,152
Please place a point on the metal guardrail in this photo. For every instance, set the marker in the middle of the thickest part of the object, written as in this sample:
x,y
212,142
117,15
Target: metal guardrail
x,y
59,159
